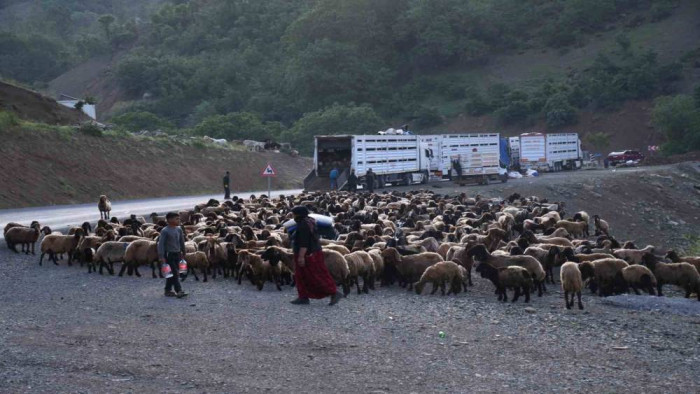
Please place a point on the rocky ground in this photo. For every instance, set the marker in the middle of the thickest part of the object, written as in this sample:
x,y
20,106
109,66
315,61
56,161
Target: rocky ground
x,y
63,330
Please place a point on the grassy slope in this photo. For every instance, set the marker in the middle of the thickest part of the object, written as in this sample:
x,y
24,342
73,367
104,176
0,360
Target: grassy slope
x,y
49,167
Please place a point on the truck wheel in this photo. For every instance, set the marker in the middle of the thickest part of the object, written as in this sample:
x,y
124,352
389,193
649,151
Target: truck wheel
x,y
486,180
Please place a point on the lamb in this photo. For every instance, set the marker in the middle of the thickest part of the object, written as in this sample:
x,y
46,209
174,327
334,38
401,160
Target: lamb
x,y
197,260
275,255
576,229
633,256
410,268
24,236
140,252
639,276
603,274
107,254
693,260
530,263
105,207
571,282
440,274
258,270
683,275
513,277
548,259
361,265
601,226
460,255
338,268
54,244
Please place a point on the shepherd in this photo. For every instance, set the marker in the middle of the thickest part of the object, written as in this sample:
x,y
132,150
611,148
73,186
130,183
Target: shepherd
x,y
227,187
310,272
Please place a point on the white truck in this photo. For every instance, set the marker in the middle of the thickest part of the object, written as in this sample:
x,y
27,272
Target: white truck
x,y
550,152
395,159
478,155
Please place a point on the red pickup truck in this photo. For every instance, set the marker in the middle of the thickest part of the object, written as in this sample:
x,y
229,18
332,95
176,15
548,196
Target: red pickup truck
x,y
615,158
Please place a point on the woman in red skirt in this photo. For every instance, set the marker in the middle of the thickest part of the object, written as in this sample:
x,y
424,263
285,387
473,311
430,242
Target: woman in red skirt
x,y
310,272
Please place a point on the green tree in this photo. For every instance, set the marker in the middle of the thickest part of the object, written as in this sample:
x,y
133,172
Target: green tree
x,y
678,117
238,126
558,112
336,119
600,140
106,21
141,120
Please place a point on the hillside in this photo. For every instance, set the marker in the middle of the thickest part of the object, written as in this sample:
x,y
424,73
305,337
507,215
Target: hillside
x,y
289,69
33,106
47,167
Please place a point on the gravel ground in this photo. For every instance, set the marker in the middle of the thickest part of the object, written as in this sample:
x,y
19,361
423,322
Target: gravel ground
x,y
63,330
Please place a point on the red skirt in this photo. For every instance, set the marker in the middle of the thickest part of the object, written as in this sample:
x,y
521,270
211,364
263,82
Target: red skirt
x,y
313,280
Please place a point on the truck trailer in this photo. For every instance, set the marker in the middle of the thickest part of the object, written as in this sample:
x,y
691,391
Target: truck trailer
x,y
550,152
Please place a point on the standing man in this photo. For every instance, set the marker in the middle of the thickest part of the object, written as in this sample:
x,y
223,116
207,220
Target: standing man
x,y
227,188
334,178
457,165
370,178
352,181
310,272
171,249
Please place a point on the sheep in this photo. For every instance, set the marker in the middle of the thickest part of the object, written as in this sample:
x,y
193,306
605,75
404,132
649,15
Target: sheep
x,y
548,259
24,236
515,277
275,255
378,261
530,263
197,260
140,252
107,254
338,248
693,260
603,275
683,275
601,226
592,256
529,236
460,255
54,244
258,270
411,267
440,274
338,268
633,256
361,264
571,282
576,229
581,216
156,219
105,207
639,276
216,253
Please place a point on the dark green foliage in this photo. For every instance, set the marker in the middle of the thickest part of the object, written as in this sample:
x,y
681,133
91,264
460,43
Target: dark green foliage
x,y
141,120
31,58
336,119
90,128
678,117
238,126
559,112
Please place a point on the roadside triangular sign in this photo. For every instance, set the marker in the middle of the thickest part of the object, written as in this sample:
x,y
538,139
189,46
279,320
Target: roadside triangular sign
x,y
269,171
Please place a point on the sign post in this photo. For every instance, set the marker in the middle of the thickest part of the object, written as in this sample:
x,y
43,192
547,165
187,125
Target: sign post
x,y
269,172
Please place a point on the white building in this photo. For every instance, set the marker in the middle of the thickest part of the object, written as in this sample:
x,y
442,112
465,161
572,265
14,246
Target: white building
x,y
68,101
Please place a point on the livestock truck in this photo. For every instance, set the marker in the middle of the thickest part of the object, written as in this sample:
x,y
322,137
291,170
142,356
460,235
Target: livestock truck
x,y
395,159
550,152
479,155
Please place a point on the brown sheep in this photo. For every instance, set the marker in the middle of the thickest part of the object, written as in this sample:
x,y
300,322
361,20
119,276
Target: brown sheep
x,y
138,253
512,277
571,283
410,268
440,274
530,263
576,229
197,260
54,244
603,275
105,207
601,226
361,264
639,276
460,255
682,275
25,236
259,271
675,258
338,268
633,256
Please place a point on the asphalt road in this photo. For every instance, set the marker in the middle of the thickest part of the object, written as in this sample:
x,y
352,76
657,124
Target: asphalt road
x,y
60,216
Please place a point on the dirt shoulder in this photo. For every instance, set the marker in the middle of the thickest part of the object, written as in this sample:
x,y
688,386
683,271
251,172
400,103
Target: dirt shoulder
x,y
48,168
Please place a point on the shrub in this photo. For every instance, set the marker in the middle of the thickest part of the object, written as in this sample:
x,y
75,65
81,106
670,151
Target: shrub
x,y
425,117
678,117
7,120
558,111
141,120
90,128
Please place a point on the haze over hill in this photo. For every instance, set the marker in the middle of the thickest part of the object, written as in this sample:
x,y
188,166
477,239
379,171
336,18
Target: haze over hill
x,y
292,69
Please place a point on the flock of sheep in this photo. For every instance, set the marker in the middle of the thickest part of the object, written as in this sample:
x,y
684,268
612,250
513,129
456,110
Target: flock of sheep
x,y
405,238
